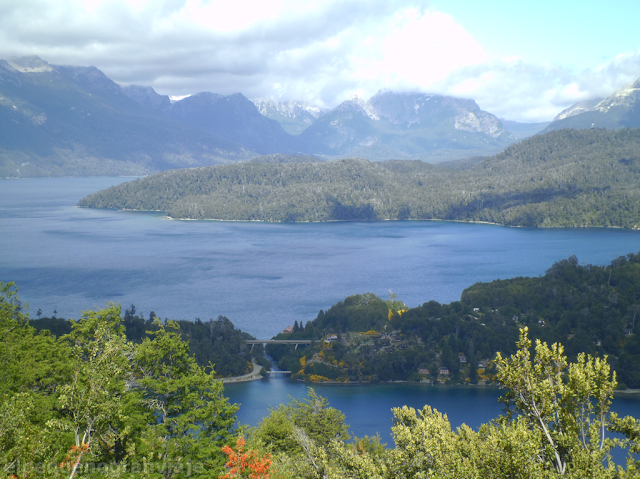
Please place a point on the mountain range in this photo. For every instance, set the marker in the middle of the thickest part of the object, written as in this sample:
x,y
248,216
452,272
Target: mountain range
x,y
406,126
74,121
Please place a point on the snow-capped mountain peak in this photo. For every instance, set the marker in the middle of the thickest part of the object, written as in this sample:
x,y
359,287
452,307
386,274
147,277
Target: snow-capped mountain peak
x,y
360,104
289,108
625,96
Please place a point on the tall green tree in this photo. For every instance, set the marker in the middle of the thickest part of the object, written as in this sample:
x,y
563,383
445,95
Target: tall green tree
x,y
92,403
568,404
193,419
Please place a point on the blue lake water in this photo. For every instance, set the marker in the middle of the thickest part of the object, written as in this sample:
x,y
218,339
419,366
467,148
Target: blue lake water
x,y
266,276
261,276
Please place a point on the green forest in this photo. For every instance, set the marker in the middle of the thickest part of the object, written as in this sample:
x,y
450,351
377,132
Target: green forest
x,y
590,309
92,403
215,342
565,178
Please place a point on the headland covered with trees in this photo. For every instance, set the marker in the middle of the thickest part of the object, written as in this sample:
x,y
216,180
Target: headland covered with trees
x,y
565,178
590,309
92,403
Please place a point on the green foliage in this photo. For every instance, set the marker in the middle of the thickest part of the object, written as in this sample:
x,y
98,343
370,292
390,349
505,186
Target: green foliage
x,y
92,402
301,436
91,397
562,414
34,368
320,423
215,341
194,418
566,178
567,404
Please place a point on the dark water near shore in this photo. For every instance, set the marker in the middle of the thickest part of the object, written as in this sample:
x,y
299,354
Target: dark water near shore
x,y
266,276
367,407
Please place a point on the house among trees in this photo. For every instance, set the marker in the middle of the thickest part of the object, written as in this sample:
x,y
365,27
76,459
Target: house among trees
x,y
288,330
423,371
444,372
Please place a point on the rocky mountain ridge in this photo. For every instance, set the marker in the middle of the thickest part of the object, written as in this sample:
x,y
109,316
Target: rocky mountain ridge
x,y
577,108
294,116
627,96
619,110
407,126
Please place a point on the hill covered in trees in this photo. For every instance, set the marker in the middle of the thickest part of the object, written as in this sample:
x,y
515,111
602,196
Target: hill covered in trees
x,y
215,342
590,309
566,178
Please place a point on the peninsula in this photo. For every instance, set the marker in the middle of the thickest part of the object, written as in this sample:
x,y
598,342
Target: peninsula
x,y
565,178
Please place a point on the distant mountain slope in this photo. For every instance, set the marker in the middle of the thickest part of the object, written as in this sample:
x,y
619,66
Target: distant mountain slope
x,y
407,125
233,117
620,110
566,178
577,108
147,96
293,116
58,120
524,130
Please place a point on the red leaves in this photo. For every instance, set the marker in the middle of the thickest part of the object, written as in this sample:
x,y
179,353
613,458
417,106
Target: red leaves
x,y
74,455
246,464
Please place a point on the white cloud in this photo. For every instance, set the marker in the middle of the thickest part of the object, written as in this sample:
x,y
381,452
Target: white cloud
x,y
316,50
422,49
521,91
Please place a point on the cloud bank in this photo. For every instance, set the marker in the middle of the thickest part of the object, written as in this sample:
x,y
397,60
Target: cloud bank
x,y
318,51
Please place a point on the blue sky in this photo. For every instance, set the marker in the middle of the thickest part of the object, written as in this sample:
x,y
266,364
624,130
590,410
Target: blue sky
x,y
522,61
577,34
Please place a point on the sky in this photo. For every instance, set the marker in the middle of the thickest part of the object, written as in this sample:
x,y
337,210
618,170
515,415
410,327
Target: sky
x,y
523,61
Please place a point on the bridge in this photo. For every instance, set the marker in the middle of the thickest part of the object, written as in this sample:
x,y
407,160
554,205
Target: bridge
x,y
253,342
278,372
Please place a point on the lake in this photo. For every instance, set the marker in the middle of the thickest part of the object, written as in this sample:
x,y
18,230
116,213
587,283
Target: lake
x,y
262,276
266,276
367,407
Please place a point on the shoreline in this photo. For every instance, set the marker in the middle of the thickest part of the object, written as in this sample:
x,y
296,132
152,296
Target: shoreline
x,y
360,221
616,392
574,227
252,376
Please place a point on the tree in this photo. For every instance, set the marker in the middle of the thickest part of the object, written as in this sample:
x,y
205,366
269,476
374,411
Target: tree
x,y
33,366
572,414
320,423
92,402
193,419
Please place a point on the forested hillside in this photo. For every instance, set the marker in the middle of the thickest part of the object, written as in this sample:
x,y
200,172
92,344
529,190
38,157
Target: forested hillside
x,y
214,342
590,309
566,178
